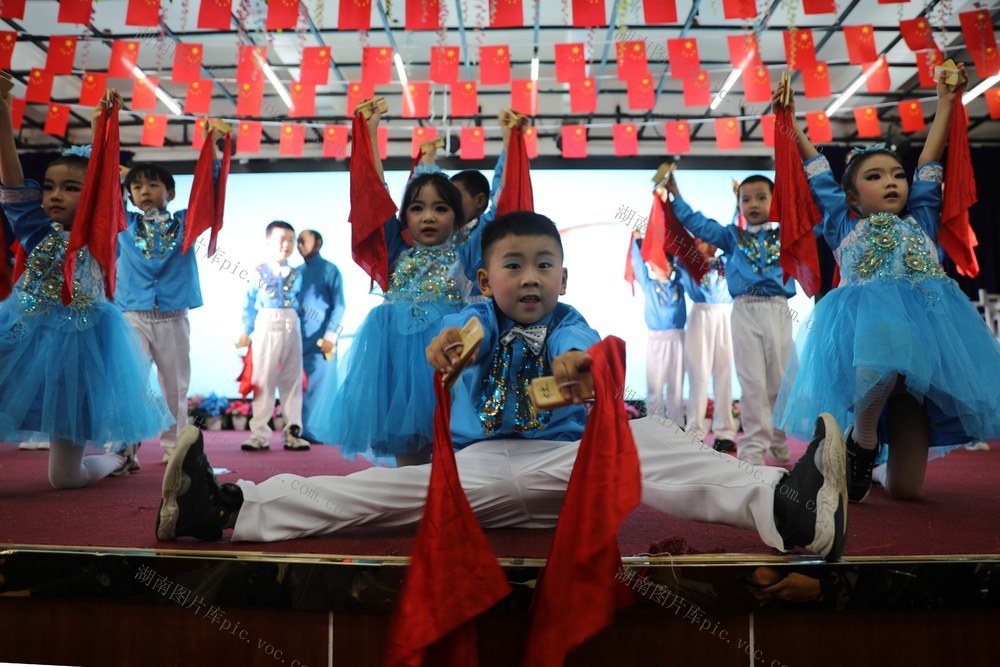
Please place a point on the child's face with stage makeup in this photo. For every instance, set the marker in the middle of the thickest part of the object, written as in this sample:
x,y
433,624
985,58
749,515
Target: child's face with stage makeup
x,y
755,202
525,277
281,242
61,193
429,218
880,185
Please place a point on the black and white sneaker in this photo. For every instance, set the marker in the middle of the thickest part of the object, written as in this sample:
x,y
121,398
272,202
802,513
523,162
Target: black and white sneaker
x,y
294,439
193,504
810,507
130,463
860,464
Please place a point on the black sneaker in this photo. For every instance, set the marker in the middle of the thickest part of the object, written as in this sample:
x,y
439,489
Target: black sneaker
x,y
810,507
193,504
724,445
860,463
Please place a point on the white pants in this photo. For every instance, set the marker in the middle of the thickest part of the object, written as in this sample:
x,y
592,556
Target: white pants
x,y
277,362
517,483
665,370
709,350
166,338
762,343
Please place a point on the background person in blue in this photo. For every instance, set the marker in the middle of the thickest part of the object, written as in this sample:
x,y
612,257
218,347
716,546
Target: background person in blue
x,y
321,310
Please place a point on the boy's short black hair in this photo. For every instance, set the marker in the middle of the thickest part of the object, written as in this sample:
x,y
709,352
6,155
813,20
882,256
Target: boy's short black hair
x,y
757,178
278,224
150,171
445,189
519,223
473,181
72,161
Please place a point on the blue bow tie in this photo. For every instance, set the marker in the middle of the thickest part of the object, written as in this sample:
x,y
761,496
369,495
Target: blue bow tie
x,y
533,336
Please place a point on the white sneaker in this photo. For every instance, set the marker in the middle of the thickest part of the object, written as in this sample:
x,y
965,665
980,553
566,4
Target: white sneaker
x,y
779,452
754,457
293,440
255,444
33,445
978,446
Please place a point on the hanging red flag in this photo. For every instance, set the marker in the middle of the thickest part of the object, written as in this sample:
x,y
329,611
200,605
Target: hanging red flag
x,y
371,206
142,13
199,97
678,135
494,65
335,142
626,139
62,49
654,250
315,67
589,14
17,105
955,234
464,99
632,62
14,9
767,129
571,62
792,205
39,86
472,144
517,193
215,14
866,118
57,119
417,100
981,43
583,96
819,6
248,136
198,136
423,15
358,92
524,96
927,61
744,51
506,14
696,91
376,65
993,102
144,93
816,79
757,84
70,11
293,139
987,61
574,141
187,63
531,142
800,51
355,15
917,34
739,9
248,69
579,593
418,136
453,575
124,55
154,130
820,131
444,64
879,79
659,11
727,134
303,100
860,43
8,38
206,204
911,115
92,87
282,14
683,55
249,98
641,96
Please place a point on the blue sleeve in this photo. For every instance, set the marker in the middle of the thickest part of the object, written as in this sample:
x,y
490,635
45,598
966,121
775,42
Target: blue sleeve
x,y
490,214
639,266
23,208
924,202
394,243
830,199
250,304
337,314
471,250
703,227
572,333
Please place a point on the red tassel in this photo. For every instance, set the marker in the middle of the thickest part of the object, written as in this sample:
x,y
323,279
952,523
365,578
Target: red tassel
x,y
371,206
207,203
654,244
956,235
246,376
516,194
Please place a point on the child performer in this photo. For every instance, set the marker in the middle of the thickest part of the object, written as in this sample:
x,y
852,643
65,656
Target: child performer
x,y
72,375
898,332
271,322
515,461
761,327
708,350
665,316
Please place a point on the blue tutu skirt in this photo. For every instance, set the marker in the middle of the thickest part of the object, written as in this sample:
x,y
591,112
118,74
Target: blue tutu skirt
x,y
927,332
83,378
384,404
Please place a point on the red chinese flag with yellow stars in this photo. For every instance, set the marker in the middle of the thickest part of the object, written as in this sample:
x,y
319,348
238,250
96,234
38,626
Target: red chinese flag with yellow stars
x,y
143,13
92,87
418,136
70,11
494,65
354,15
696,91
641,96
198,136
683,54
472,144
371,206
248,136
124,55
927,62
911,115
727,134
199,97
62,49
571,62
866,118
993,102
744,51
282,14
464,99
8,39
917,34
589,14
820,131
17,105
39,86
531,142
506,14
376,65
14,9
987,61
423,15
980,41
144,93
757,84
860,43
335,142
303,100
800,50
206,205
574,141
739,9
293,139
583,96
678,137
955,234
315,68
248,69
249,98
879,80
417,100
57,119
811,7
632,63
659,11
626,139
517,193
215,14
187,63
154,130
816,79
444,64
358,92
524,96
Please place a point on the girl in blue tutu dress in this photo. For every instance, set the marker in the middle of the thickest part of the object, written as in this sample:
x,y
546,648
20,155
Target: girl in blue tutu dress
x,y
385,404
74,375
898,334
